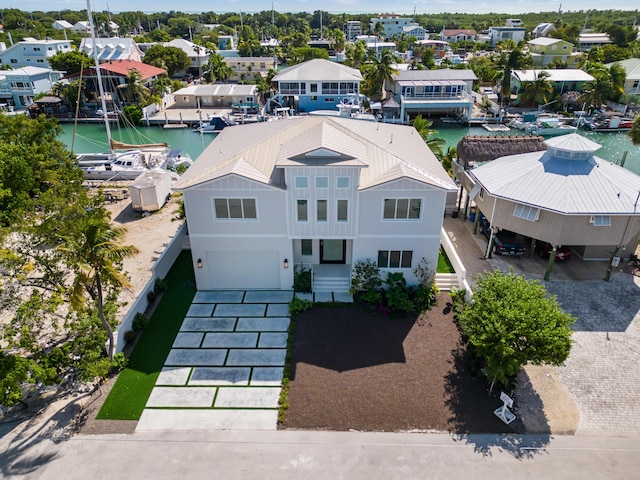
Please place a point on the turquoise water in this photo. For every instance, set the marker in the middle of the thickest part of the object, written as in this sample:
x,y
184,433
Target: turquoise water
x,y
92,139
613,144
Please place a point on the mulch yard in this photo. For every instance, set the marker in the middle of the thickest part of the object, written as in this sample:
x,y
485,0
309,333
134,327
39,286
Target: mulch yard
x,y
353,370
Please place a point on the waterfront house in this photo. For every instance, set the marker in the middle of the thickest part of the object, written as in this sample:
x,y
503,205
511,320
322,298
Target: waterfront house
x,y
216,96
588,40
19,87
563,80
632,68
266,199
33,53
111,49
317,84
563,195
426,92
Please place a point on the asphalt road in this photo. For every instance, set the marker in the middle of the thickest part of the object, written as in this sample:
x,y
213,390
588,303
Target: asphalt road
x,y
319,455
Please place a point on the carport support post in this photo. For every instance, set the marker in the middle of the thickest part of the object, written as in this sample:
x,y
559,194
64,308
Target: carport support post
x,y
552,259
466,208
533,247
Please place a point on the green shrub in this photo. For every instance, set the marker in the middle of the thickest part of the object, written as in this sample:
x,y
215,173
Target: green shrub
x,y
119,361
302,280
397,294
140,322
130,336
299,305
160,286
366,276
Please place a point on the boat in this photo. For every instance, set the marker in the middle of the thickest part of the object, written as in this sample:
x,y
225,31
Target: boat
x,y
346,110
214,124
613,124
495,127
549,127
125,161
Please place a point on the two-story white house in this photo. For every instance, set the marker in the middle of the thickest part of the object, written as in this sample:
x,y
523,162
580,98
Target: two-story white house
x,y
33,53
632,80
19,87
322,192
114,48
317,84
392,23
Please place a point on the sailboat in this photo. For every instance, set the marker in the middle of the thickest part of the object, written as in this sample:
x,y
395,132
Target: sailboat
x,y
125,161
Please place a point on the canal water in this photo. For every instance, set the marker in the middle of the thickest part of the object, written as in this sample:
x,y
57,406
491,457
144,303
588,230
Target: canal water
x,y
92,138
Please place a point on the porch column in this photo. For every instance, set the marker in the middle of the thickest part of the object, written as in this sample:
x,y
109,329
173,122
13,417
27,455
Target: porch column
x,y
552,259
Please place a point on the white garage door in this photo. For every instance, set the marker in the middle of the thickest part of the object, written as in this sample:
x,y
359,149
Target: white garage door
x,y
246,270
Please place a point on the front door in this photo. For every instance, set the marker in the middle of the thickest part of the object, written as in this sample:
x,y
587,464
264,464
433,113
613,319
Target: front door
x,y
333,251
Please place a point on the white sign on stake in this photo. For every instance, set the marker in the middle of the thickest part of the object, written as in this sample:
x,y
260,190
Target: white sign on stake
x,y
506,399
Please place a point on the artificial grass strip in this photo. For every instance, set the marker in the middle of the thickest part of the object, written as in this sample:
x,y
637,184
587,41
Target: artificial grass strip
x,y
444,264
129,395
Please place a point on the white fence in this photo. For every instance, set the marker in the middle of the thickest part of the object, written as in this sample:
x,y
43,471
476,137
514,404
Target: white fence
x,y
159,271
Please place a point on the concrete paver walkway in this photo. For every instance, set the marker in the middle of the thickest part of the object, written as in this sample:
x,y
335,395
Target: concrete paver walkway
x,y
225,368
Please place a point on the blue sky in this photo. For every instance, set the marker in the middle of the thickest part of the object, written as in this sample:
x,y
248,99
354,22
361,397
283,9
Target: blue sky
x,y
335,6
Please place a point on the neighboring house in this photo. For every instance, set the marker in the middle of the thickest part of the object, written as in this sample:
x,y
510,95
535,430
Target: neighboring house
x,y
33,53
501,34
458,35
545,50
62,25
216,95
264,200
588,40
354,28
317,84
197,54
632,68
19,87
110,49
373,43
439,47
226,42
393,24
82,27
562,80
565,196
415,31
246,68
542,30
429,92
513,22
114,74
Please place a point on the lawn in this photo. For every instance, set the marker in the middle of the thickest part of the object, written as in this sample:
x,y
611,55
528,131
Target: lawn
x,y
134,384
444,264
353,370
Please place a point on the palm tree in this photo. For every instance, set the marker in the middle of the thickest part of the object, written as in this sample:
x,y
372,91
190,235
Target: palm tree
x,y
423,127
133,90
95,256
597,91
618,77
379,30
447,159
514,60
539,87
377,71
355,53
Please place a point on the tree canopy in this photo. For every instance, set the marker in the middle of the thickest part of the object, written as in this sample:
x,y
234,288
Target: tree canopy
x,y
511,322
70,62
172,59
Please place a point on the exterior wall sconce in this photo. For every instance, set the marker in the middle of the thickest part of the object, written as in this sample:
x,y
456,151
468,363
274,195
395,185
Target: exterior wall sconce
x,y
285,264
199,263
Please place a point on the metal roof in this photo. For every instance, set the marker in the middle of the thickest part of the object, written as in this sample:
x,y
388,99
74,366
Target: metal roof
x,y
225,90
319,70
445,74
559,75
547,180
385,152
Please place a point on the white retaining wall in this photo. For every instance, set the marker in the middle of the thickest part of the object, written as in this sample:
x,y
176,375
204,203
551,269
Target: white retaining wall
x,y
159,271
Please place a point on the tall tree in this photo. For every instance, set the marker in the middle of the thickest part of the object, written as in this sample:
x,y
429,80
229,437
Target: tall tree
x,y
538,88
377,71
70,62
511,322
96,258
172,59
513,60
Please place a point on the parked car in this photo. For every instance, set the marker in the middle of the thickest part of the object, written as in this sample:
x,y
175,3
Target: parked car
x,y
505,242
544,250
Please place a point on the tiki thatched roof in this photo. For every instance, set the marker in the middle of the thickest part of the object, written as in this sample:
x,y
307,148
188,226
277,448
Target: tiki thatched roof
x,y
485,148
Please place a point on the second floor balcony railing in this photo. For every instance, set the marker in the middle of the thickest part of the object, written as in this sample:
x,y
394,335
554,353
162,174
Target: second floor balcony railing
x,y
457,95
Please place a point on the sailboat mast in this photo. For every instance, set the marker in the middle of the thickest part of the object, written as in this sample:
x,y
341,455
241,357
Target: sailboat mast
x,y
98,74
